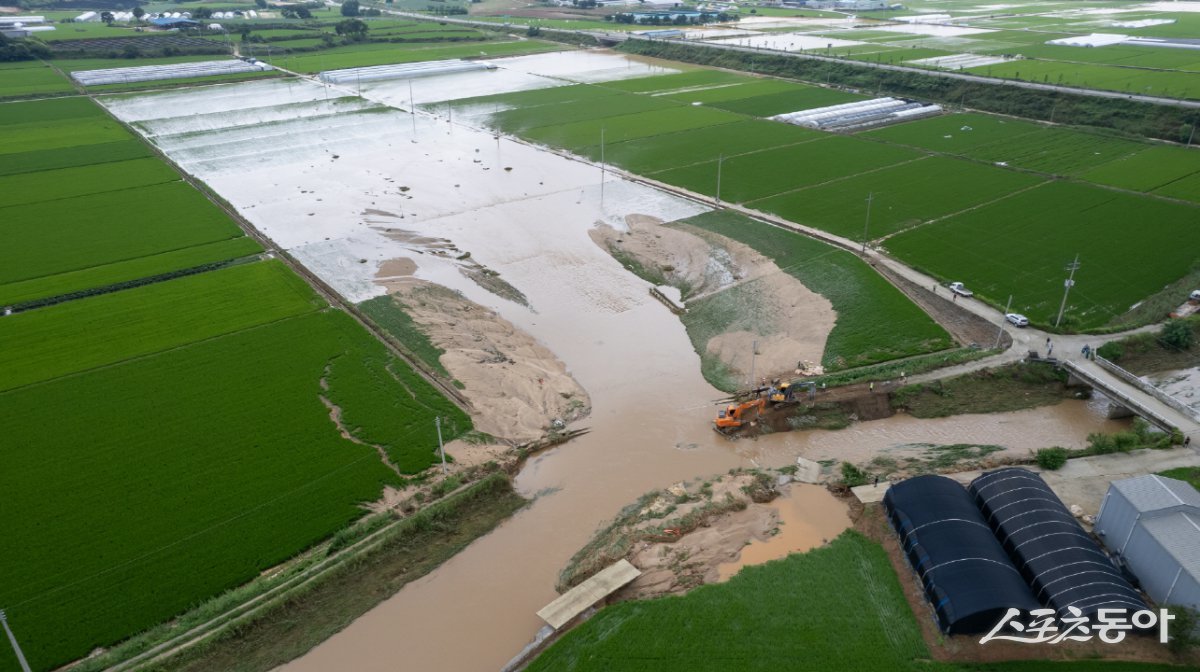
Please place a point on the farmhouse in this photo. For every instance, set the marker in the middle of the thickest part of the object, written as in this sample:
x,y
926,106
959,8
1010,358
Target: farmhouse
x,y
1152,525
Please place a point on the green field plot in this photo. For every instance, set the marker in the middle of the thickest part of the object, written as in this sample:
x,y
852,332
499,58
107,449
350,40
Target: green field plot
x,y
549,96
676,82
954,133
902,196
147,319
50,185
733,91
1057,151
137,491
630,126
1019,246
900,56
1186,188
158,265
383,53
1165,83
660,152
1148,169
43,111
42,135
67,157
846,587
45,239
1131,56
875,321
837,607
798,98
31,78
753,176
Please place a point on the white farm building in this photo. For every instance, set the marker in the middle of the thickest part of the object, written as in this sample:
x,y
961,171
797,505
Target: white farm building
x,y
1151,524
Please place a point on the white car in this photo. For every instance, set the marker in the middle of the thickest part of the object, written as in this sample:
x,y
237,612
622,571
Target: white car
x,y
960,289
1017,319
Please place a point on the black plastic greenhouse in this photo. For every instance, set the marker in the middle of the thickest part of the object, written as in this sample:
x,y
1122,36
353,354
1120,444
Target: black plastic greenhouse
x,y
969,579
1065,567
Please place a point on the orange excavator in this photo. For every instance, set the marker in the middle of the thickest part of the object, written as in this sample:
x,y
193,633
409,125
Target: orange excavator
x,y
737,415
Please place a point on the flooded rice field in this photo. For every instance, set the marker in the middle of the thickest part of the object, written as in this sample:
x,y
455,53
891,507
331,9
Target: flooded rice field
x,y
350,185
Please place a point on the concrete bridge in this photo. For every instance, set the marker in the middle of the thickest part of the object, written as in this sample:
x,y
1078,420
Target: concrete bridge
x,y
1127,398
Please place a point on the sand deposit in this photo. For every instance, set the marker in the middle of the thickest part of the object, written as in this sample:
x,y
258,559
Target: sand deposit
x,y
790,322
518,388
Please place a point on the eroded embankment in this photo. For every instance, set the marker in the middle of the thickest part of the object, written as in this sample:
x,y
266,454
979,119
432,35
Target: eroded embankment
x,y
518,388
705,530
747,318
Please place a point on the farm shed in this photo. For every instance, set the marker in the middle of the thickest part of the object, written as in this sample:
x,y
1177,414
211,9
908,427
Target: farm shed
x,y
968,578
1063,564
1152,525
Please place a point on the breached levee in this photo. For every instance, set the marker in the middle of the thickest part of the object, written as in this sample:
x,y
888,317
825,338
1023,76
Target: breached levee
x,y
775,327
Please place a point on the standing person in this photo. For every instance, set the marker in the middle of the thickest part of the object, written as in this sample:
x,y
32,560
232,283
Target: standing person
x,y
1047,342
1049,349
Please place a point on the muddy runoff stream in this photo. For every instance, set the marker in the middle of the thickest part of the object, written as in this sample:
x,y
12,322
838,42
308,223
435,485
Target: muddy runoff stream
x,y
339,187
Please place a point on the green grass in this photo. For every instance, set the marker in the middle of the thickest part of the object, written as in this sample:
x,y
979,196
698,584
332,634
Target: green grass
x,y
31,78
875,322
1021,144
780,102
798,613
388,313
629,126
660,152
379,53
106,228
42,135
1165,83
132,270
67,157
1019,246
112,328
1188,474
179,475
51,185
1148,169
954,133
837,607
753,176
902,196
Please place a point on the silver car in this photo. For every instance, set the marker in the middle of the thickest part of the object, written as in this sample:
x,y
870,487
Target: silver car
x,y
1017,319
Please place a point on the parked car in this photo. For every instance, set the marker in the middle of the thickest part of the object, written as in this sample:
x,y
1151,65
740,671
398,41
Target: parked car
x,y
958,288
1017,319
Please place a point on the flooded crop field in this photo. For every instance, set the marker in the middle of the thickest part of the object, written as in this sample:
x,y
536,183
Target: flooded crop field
x,y
366,193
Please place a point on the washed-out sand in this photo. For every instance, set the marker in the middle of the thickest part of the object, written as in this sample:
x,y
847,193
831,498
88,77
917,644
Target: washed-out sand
x,y
517,387
790,322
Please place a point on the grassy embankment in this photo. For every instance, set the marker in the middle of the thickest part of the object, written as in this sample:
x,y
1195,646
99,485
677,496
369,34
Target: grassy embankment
x,y
839,607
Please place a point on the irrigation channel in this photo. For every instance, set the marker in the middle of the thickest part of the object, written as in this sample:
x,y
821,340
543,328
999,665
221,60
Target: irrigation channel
x,y
348,184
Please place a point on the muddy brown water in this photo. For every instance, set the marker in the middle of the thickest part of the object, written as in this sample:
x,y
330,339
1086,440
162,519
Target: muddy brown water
x,y
652,410
809,516
478,610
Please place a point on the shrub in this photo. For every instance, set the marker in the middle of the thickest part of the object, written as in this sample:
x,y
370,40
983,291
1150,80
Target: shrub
x,y
1112,351
852,476
1051,459
1176,335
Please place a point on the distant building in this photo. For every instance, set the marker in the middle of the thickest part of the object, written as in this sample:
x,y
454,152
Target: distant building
x,y
168,23
1152,525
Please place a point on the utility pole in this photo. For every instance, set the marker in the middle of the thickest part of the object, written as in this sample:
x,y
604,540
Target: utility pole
x,y
441,449
1191,135
412,110
753,357
720,161
1070,282
1000,329
870,197
13,640
601,166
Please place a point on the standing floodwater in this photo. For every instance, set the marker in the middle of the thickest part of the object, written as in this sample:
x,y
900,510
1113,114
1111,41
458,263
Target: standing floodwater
x,y
347,185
